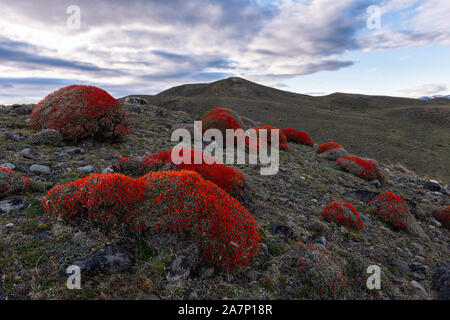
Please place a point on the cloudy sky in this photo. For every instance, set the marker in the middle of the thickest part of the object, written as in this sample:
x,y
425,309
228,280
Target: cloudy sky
x,y
388,47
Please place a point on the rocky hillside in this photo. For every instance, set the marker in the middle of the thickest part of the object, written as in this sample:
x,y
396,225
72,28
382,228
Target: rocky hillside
x,y
302,255
394,130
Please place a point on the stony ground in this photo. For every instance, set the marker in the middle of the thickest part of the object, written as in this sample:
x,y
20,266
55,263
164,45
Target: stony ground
x,y
35,250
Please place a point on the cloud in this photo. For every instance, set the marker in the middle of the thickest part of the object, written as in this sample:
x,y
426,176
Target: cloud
x,y
151,45
424,90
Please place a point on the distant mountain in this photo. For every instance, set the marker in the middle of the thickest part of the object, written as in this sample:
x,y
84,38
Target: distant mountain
x,y
413,132
435,97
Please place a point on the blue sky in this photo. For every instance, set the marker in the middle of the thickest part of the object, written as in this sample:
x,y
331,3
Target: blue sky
x,y
315,47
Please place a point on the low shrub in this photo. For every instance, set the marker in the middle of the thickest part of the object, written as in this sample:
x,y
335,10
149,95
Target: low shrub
x,y
343,213
282,138
362,168
300,137
227,111
47,136
79,112
328,146
181,201
12,181
442,214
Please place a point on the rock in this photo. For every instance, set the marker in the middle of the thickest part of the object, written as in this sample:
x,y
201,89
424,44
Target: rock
x,y
112,259
276,228
447,189
253,275
9,225
135,110
432,186
63,165
74,151
40,169
418,286
136,100
265,249
44,235
321,241
375,183
9,205
21,109
86,169
161,112
13,136
441,280
362,195
8,166
108,171
183,264
416,267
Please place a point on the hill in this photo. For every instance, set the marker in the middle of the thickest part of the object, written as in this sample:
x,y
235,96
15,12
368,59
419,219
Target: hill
x,y
395,130
35,249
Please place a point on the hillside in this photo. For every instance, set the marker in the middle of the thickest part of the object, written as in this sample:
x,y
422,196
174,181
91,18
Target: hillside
x,y
35,249
412,132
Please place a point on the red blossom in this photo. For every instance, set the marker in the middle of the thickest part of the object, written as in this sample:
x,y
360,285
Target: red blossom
x,y
343,213
298,137
328,146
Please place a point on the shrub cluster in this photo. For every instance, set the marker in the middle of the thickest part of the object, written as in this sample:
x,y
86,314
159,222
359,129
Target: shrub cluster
x,y
47,136
220,122
228,112
343,213
282,138
392,208
320,270
328,146
228,179
12,181
442,214
362,168
79,112
177,201
300,137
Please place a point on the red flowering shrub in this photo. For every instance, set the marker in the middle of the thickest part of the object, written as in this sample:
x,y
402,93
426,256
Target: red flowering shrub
x,y
12,181
228,179
343,214
226,111
362,168
282,138
392,209
221,122
442,214
225,232
328,146
320,270
298,137
78,112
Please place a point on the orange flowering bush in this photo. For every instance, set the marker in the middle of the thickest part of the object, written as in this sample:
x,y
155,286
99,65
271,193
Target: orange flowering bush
x,y
442,214
343,213
362,168
282,138
392,209
298,137
12,181
79,112
226,111
225,232
328,146
220,122
228,179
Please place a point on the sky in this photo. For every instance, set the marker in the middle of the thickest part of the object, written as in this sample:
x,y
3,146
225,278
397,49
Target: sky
x,y
316,47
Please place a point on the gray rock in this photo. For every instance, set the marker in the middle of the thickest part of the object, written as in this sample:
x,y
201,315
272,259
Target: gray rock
x,y
63,165
6,206
74,151
321,241
161,112
432,186
361,195
418,286
136,100
13,136
108,171
44,235
8,166
276,228
441,280
86,169
112,259
375,183
41,169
